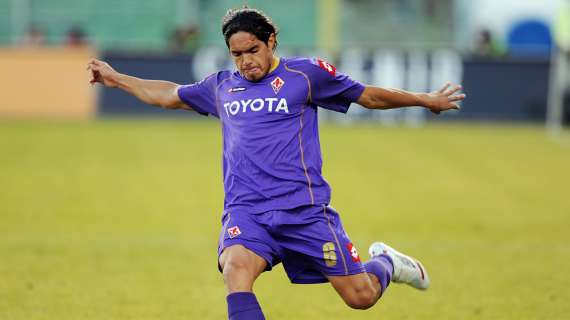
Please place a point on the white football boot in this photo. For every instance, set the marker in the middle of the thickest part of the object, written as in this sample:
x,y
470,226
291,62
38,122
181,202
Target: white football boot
x,y
406,269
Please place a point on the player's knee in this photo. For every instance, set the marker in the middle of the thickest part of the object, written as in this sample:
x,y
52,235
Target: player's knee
x,y
236,265
362,299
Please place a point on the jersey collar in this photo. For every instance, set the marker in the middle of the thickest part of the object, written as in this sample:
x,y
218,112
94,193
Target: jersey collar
x,y
274,64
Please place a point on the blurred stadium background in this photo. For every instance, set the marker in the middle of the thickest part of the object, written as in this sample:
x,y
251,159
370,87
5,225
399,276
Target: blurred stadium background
x,y
110,209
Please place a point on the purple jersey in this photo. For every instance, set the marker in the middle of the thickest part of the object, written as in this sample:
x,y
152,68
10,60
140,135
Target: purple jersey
x,y
271,157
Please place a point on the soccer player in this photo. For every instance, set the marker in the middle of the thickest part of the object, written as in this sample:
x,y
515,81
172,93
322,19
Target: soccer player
x,y
276,206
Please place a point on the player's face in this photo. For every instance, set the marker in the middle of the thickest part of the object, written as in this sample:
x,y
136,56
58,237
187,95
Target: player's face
x,y
252,56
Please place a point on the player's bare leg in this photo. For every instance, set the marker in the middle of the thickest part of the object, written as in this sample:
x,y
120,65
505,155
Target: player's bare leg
x,y
240,268
359,291
362,291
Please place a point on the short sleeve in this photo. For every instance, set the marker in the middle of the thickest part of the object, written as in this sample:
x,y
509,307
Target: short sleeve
x,y
331,89
201,96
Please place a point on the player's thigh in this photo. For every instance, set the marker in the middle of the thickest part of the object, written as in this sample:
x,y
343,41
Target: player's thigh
x,y
240,259
351,283
357,290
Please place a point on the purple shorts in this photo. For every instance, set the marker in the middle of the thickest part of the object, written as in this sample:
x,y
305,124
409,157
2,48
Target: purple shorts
x,y
309,240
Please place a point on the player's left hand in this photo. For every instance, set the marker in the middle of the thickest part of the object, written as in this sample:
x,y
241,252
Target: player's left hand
x,y
444,99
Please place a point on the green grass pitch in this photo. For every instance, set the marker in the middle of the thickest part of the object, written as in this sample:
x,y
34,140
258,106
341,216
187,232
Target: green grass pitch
x,y
120,219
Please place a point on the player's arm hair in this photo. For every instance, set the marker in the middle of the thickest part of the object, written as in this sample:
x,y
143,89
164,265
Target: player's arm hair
x,y
384,98
159,93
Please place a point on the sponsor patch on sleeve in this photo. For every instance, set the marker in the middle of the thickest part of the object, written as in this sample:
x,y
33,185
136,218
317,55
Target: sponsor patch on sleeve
x,y
327,66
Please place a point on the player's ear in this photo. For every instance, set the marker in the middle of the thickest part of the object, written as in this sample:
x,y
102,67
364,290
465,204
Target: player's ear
x,y
272,42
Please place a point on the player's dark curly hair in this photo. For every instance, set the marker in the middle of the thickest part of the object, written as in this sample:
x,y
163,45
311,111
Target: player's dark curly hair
x,y
249,20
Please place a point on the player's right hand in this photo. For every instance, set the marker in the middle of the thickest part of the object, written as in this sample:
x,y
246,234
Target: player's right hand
x,y
101,72
444,99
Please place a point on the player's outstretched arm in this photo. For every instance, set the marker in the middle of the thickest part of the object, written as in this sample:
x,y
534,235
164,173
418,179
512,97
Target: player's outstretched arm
x,y
437,101
155,92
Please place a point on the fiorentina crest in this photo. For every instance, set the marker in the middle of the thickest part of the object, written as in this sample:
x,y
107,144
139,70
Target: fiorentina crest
x,y
277,84
234,232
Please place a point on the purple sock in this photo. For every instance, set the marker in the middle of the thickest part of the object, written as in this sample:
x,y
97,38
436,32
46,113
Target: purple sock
x,y
382,267
244,306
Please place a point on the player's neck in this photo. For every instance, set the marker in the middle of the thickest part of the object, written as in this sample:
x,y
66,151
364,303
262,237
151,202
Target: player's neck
x,y
274,64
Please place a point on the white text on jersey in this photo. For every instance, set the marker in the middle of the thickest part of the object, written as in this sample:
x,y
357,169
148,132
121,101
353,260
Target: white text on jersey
x,y
256,105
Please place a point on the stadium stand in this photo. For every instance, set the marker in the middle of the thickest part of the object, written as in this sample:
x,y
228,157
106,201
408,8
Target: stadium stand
x,y
131,24
109,24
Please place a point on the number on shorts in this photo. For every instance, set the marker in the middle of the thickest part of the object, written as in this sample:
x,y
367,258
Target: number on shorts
x,y
329,254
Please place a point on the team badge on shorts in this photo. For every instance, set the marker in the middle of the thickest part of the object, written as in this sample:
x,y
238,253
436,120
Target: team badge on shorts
x,y
277,84
353,252
234,232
